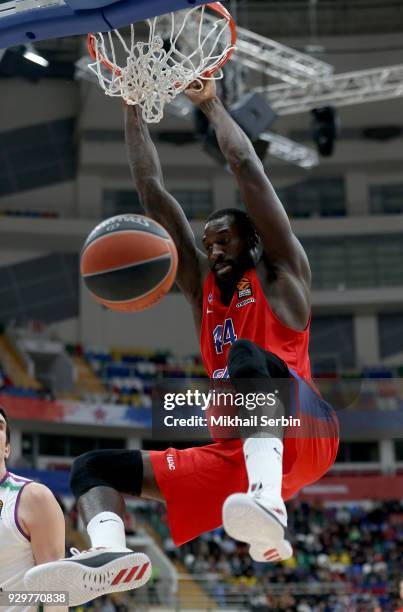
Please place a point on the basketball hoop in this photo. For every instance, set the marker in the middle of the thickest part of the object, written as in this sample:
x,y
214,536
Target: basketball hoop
x,y
181,48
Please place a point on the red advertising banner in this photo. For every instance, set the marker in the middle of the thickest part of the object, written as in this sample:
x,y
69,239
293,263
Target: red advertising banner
x,y
32,409
76,412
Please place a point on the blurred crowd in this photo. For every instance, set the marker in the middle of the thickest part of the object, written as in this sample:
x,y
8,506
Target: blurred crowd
x,y
347,559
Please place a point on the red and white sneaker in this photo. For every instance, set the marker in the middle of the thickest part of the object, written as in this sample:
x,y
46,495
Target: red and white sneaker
x,y
91,573
259,521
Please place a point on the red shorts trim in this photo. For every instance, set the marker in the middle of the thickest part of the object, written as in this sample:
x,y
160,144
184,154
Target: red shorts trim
x,y
195,482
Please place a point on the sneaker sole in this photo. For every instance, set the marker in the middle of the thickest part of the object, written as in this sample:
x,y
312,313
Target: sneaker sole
x,y
84,583
246,521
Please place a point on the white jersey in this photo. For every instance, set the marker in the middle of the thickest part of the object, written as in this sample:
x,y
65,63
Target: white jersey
x,y
16,556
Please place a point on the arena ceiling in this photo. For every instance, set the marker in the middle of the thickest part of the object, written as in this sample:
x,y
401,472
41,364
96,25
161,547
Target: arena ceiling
x,y
276,19
289,18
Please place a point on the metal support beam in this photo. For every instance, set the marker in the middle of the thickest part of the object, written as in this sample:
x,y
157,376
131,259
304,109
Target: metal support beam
x,y
339,90
290,151
274,59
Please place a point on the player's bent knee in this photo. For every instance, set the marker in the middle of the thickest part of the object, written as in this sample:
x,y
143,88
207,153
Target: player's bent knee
x,y
121,470
244,360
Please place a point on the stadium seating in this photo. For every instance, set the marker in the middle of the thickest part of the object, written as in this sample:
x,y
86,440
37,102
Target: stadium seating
x,y
346,558
128,375
117,376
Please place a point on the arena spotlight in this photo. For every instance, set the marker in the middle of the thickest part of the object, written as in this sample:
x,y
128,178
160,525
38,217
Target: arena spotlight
x,y
325,127
32,55
14,64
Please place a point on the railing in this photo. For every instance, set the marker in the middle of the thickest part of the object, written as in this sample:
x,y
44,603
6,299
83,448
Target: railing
x,y
224,595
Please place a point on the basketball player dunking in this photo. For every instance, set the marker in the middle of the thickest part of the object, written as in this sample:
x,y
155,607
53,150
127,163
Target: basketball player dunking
x,y
241,484
31,526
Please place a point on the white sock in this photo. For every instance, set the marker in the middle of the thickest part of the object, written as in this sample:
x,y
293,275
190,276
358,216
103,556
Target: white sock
x,y
264,464
106,529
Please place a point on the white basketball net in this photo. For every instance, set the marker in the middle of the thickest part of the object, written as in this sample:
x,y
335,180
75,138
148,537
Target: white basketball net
x,y
181,47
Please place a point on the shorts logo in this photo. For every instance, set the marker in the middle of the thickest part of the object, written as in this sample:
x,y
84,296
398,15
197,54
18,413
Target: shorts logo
x,y
220,373
171,463
210,298
245,302
244,287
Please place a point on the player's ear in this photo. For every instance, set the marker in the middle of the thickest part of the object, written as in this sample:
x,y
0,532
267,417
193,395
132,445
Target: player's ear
x,y
255,247
7,451
251,241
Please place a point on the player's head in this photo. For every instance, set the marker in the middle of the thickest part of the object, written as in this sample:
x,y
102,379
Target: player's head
x,y
231,243
4,436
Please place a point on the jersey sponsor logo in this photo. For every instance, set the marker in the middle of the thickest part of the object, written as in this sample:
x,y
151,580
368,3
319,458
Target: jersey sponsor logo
x,y
245,302
244,287
171,463
210,298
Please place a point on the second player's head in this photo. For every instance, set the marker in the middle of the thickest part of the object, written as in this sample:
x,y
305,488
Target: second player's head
x,y
232,244
4,437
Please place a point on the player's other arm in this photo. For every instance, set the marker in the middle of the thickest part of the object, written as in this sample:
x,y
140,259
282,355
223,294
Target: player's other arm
x,y
264,207
160,205
41,518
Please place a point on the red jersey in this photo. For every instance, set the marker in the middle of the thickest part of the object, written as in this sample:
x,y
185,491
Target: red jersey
x,y
203,477
248,316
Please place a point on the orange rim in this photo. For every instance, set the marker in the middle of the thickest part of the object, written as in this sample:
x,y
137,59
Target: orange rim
x,y
217,7
91,49
221,10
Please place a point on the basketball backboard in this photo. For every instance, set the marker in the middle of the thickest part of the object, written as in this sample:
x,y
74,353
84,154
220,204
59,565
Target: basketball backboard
x,y
24,21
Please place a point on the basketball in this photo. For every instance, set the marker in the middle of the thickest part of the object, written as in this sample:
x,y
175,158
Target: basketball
x,y
128,262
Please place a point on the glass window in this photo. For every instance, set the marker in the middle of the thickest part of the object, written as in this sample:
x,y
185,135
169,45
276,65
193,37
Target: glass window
x,y
332,344
77,445
197,204
356,261
37,156
72,446
316,197
44,288
390,329
386,199
399,450
27,444
50,444
120,202
358,452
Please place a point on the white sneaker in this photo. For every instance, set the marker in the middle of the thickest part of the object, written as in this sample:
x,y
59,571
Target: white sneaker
x,y
259,521
91,573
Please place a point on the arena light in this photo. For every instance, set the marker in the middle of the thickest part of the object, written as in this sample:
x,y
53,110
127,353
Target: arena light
x,y
32,55
325,127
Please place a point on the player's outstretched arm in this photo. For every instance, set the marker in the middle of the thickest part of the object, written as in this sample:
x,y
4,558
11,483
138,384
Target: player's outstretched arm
x,y
160,205
42,520
264,208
